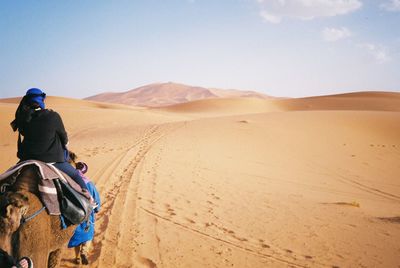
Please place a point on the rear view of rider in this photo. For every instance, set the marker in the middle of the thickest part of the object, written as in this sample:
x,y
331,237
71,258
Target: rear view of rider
x,y
44,135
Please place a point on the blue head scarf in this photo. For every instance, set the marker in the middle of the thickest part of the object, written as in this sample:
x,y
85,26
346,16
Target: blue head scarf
x,y
35,95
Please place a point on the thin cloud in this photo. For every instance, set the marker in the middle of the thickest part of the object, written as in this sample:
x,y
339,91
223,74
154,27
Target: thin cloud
x,y
379,53
275,10
392,5
270,18
335,34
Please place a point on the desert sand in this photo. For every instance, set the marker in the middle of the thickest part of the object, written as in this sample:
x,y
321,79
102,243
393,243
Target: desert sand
x,y
311,182
166,94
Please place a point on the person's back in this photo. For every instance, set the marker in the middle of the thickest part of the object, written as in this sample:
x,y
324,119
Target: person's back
x,y
44,137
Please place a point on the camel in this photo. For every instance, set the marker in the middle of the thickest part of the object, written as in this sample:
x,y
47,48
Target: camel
x,y
12,207
41,238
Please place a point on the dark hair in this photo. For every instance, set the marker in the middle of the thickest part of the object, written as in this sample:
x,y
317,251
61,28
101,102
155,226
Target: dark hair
x,y
72,156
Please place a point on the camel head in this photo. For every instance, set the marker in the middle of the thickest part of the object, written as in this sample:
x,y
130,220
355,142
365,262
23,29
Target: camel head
x,y
13,206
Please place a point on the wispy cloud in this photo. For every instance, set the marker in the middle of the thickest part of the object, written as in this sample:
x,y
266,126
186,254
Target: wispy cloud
x,y
270,18
335,34
379,53
391,5
275,10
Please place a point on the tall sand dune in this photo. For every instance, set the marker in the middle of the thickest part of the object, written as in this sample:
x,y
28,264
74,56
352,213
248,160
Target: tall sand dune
x,y
164,94
153,95
307,182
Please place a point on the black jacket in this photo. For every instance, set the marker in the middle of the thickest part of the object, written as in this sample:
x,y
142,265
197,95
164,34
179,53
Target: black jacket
x,y
44,137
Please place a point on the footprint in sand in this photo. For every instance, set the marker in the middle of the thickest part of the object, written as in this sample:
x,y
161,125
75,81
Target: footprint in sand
x,y
208,224
265,246
215,196
170,210
190,220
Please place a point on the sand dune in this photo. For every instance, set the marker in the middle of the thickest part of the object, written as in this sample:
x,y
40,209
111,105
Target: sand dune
x,y
226,106
94,121
164,94
371,101
307,182
362,101
234,93
52,101
273,190
153,95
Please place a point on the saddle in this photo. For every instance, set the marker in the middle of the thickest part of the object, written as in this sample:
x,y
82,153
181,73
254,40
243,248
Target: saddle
x,y
59,193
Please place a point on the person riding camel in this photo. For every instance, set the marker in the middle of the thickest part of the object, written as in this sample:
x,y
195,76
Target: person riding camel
x,y
84,233
44,135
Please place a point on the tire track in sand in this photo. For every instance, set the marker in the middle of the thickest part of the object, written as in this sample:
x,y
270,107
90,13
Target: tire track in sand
x,y
114,243
107,184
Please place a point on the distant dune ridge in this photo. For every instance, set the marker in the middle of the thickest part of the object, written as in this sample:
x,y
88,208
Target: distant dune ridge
x,y
165,94
236,181
359,101
185,98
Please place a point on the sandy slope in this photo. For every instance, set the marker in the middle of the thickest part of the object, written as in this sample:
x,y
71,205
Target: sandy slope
x,y
164,94
299,183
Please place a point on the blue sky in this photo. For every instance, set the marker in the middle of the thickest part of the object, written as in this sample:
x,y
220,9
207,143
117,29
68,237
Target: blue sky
x,y
279,47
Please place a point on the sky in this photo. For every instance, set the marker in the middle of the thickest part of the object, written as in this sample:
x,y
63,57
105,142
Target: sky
x,y
289,48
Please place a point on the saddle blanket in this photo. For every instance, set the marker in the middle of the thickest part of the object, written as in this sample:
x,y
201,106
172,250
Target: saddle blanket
x,y
47,189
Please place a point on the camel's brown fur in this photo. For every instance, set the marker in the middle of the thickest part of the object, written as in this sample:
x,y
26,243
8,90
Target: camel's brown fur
x,y
42,237
12,207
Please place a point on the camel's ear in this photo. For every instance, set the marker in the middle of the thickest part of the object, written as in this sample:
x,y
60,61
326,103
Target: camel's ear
x,y
8,210
24,210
